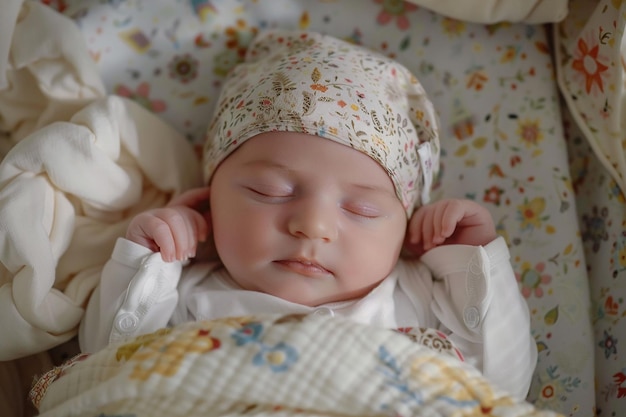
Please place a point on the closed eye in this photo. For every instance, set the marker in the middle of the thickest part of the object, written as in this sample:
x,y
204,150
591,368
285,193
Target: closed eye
x,y
269,194
366,212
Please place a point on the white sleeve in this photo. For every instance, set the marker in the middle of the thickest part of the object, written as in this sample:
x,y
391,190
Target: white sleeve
x,y
137,294
476,297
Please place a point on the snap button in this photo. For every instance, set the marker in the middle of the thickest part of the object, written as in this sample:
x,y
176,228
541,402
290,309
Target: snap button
x,y
324,312
126,322
471,317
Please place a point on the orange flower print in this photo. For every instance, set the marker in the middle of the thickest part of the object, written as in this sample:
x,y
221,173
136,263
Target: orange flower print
x,y
492,195
395,9
587,62
510,53
529,132
496,171
476,79
319,87
238,37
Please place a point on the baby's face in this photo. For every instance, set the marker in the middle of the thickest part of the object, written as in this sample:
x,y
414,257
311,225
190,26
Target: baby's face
x,y
305,219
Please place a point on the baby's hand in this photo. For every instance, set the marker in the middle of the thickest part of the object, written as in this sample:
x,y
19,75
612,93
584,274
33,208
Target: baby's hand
x,y
175,229
451,221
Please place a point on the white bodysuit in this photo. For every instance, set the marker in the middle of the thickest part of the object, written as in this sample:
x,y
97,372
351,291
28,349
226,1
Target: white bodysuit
x,y
468,292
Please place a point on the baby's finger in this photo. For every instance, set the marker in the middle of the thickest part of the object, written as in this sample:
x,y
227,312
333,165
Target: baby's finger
x,y
447,217
179,230
415,226
163,238
202,226
192,198
197,230
190,236
428,229
455,212
439,215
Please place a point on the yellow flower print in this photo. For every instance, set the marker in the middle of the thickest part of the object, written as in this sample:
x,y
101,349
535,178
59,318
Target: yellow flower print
x,y
164,356
129,349
438,373
529,132
530,213
453,27
380,143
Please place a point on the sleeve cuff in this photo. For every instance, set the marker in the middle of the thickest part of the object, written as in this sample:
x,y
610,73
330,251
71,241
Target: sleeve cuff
x,y
450,259
129,253
464,274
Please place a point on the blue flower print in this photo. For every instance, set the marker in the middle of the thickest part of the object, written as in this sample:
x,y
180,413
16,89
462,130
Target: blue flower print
x,y
279,358
609,344
249,333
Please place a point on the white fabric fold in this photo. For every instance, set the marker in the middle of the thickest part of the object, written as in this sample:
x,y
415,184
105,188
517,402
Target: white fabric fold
x,y
495,11
78,166
46,72
66,193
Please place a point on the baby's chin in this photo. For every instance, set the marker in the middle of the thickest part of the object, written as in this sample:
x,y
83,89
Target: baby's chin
x,y
311,299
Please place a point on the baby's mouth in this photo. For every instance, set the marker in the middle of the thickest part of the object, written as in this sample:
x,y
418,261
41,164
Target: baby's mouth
x,y
304,267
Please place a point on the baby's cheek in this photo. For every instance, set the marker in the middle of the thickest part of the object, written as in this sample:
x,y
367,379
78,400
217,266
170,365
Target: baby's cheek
x,y
373,264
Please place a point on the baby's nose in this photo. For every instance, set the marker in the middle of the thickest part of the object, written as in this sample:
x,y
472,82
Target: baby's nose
x,y
314,219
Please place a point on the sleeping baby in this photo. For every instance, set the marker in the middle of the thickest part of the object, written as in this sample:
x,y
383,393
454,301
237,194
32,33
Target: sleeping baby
x,y
318,162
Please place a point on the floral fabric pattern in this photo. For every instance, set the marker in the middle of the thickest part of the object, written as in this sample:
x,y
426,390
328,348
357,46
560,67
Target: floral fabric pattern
x,y
305,82
590,53
279,366
558,203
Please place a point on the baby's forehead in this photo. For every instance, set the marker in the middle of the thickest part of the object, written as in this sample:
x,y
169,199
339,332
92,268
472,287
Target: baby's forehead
x,y
301,153
310,83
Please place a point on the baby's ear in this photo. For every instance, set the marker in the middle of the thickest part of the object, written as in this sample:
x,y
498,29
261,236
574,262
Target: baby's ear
x,y
412,250
206,251
204,207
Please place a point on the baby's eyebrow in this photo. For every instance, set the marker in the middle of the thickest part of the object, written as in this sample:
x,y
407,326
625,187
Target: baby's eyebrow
x,y
264,163
374,188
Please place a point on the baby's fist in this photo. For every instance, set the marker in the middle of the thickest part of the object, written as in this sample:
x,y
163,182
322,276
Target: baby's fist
x,y
450,221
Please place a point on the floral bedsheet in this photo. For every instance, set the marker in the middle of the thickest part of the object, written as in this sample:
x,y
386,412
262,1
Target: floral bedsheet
x,y
557,203
494,86
277,366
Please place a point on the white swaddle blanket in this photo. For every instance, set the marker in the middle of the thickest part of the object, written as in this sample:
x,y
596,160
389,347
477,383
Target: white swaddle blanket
x,y
80,165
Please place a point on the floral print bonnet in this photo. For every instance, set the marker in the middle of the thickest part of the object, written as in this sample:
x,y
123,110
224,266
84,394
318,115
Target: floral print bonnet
x,y
312,83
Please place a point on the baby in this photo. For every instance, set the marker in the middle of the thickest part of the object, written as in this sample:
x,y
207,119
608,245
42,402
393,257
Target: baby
x,y
319,160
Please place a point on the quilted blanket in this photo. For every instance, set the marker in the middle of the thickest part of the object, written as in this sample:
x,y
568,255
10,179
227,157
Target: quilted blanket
x,y
276,366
